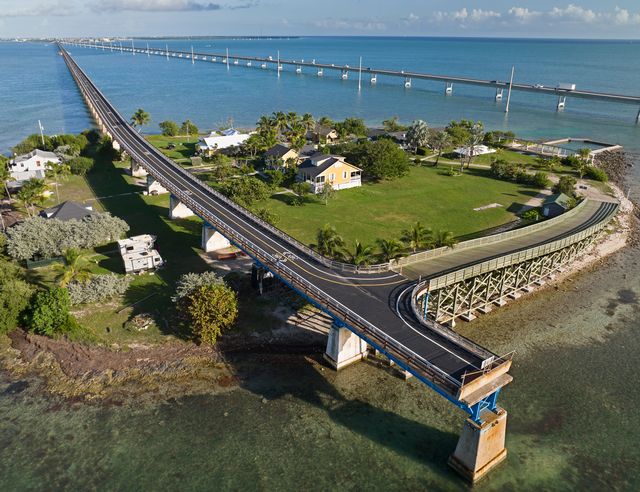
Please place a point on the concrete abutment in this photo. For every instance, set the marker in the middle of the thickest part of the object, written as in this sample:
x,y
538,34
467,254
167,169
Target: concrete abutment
x,y
212,240
344,347
177,209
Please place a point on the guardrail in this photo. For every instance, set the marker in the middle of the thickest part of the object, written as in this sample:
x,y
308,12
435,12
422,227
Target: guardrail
x,y
481,241
278,267
513,258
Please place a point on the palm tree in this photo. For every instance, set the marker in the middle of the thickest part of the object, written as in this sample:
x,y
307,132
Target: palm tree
x,y
32,194
329,242
439,141
58,170
308,121
5,176
75,267
418,135
279,121
417,236
476,135
265,124
140,118
444,238
361,254
390,249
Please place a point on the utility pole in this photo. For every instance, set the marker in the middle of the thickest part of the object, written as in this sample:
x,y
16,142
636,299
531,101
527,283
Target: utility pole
x,y
133,48
506,109
148,54
278,64
167,51
360,76
192,60
227,58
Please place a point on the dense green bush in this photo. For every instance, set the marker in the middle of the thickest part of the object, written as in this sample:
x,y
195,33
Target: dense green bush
x,y
211,309
246,190
565,185
49,312
532,215
596,174
98,288
169,128
382,159
80,166
37,237
15,293
189,282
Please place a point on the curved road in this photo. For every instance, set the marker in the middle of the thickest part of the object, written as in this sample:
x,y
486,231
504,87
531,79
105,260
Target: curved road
x,y
371,305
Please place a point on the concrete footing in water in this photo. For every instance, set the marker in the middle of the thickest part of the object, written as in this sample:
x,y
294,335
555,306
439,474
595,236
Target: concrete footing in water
x,y
481,446
344,347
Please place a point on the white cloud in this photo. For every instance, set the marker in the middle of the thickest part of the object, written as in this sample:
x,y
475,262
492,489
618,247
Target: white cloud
x,y
463,15
523,14
623,17
153,5
411,18
573,13
350,24
58,9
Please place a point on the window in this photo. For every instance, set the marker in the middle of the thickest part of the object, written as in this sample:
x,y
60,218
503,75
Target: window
x,y
332,176
344,174
320,179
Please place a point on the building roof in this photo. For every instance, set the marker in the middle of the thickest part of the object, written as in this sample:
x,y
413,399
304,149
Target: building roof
x,y
307,150
278,151
37,152
559,199
67,211
311,168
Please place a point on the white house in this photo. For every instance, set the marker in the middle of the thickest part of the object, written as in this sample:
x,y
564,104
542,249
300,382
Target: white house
x,y
221,140
31,165
477,150
138,253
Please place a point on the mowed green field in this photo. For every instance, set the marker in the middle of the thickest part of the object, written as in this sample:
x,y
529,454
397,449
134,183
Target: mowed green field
x,y
185,146
384,210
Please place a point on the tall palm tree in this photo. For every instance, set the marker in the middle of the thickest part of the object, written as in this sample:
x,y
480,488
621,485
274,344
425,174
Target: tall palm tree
x,y
444,238
58,170
417,236
308,121
75,267
5,176
439,141
140,118
390,249
361,254
265,124
329,242
279,121
32,194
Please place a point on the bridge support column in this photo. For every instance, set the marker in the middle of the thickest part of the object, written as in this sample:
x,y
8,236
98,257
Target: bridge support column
x,y
449,89
137,170
562,103
374,79
154,187
345,75
320,72
344,347
212,240
499,93
177,209
407,82
481,445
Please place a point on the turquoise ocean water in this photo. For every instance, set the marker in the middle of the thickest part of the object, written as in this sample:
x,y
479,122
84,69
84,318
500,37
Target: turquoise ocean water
x,y
573,419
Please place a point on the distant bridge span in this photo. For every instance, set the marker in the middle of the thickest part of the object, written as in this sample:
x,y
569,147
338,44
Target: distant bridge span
x,y
367,304
500,85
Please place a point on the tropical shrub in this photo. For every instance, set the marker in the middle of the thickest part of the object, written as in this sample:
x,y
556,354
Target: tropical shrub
x,y
189,282
49,313
98,288
211,309
80,166
596,174
14,296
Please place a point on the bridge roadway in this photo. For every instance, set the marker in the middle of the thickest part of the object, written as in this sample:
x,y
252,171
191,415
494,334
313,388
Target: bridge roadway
x,y
369,304
497,84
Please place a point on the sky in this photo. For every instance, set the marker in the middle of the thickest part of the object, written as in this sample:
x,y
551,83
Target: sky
x,y
489,18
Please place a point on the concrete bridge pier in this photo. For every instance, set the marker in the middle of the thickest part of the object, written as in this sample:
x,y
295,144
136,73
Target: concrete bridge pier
x,y
344,347
374,79
212,240
320,72
345,74
177,209
449,89
407,83
480,447
298,69
154,187
137,170
562,103
499,93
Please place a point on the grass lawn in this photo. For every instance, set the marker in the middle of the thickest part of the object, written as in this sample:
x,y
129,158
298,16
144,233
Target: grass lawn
x,y
508,155
184,147
384,210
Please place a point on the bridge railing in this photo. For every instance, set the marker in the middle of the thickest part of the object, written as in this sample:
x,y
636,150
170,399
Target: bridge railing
x,y
482,241
277,266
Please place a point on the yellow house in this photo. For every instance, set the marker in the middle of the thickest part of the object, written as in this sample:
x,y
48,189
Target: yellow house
x,y
321,168
280,156
323,135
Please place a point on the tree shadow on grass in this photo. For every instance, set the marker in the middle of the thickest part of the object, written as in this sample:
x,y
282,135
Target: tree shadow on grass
x,y
297,377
